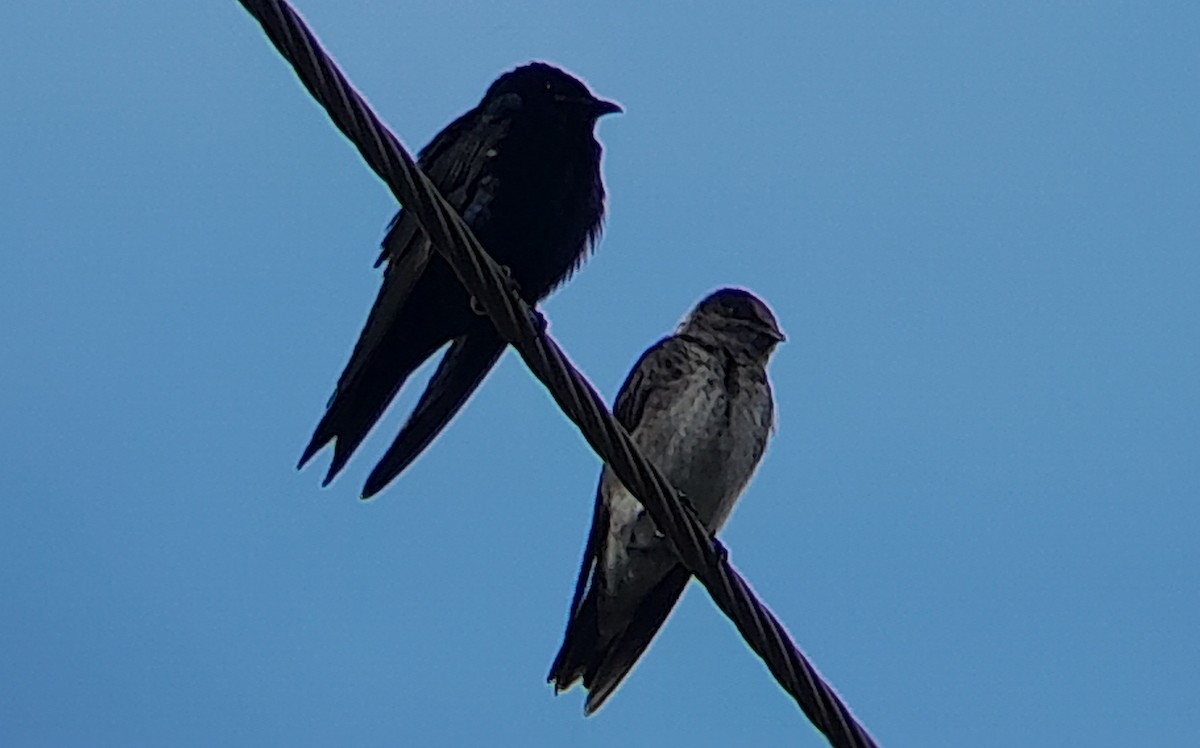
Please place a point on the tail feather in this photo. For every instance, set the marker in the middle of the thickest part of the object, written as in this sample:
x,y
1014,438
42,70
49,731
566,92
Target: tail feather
x,y
574,659
603,663
359,402
583,618
461,371
400,333
351,415
610,666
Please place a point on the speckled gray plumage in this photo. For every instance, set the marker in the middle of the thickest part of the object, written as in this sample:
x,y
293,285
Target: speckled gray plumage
x,y
698,404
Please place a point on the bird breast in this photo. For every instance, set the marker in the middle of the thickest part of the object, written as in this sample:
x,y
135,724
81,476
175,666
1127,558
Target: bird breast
x,y
709,439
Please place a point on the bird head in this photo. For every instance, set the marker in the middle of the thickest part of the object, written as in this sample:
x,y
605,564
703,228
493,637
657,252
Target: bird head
x,y
541,87
737,318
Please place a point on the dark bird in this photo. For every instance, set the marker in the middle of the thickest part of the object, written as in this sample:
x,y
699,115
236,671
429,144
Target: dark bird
x,y
523,170
698,405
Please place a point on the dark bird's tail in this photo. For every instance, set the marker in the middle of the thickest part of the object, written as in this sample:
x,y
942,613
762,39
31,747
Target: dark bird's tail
x,y
356,407
458,375
603,663
401,332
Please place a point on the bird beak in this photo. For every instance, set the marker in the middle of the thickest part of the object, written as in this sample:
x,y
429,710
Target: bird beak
x,y
595,107
600,107
777,335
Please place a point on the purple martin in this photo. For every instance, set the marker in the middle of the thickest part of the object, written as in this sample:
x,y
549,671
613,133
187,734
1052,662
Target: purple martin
x,y
523,170
698,405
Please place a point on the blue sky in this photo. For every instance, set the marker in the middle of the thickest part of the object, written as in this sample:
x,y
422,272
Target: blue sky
x,y
978,516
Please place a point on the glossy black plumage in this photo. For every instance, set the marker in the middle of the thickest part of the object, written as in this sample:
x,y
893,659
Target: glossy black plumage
x,y
523,170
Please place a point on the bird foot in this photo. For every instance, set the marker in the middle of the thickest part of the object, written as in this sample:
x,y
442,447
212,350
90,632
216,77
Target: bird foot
x,y
510,284
718,546
539,320
722,551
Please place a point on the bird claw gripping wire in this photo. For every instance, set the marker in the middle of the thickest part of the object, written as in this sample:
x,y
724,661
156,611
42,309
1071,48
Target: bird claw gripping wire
x,y
718,546
509,282
539,320
722,551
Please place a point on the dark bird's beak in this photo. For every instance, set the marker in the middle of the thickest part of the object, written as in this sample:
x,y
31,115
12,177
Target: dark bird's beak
x,y
777,335
595,107
601,107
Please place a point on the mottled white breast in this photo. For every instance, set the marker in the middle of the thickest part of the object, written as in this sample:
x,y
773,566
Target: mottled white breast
x,y
691,438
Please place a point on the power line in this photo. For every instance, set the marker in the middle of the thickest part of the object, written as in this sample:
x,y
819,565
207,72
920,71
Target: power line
x,y
522,327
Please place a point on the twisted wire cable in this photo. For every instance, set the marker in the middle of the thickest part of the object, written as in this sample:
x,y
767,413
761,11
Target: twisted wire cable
x,y
522,327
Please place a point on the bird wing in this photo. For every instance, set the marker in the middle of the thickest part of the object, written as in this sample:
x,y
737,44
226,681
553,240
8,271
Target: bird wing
x,y
660,367
623,652
582,654
649,374
582,634
453,162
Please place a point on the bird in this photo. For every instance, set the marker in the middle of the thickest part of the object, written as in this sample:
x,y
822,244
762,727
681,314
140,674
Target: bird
x,y
522,168
698,404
